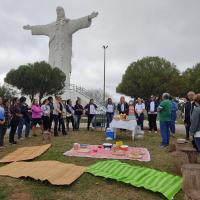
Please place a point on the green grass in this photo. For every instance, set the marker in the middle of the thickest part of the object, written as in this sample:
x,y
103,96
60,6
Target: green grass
x,y
87,186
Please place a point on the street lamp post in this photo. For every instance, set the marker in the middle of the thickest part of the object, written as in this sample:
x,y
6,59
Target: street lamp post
x,y
104,74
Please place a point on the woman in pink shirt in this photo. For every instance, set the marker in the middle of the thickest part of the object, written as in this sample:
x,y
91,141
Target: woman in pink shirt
x,y
36,116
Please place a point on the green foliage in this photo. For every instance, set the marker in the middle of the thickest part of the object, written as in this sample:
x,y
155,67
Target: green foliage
x,y
37,78
192,78
7,92
151,75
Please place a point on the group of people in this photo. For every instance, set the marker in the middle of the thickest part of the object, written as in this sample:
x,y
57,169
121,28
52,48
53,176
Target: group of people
x,y
17,114
192,119
163,110
136,110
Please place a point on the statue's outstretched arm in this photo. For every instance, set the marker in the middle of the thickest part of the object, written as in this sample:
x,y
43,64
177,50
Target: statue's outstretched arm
x,y
39,29
83,22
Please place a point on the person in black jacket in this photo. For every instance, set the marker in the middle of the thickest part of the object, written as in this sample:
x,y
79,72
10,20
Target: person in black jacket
x,y
25,119
189,106
78,111
122,106
195,123
15,118
50,99
90,108
151,108
70,114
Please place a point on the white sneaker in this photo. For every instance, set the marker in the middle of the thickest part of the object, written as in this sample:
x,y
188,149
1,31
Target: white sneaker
x,y
156,131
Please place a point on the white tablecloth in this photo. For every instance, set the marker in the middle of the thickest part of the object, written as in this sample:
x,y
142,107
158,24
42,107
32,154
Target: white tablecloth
x,y
128,125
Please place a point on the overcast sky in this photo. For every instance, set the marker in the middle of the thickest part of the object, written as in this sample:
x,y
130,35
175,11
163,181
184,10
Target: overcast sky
x,y
131,28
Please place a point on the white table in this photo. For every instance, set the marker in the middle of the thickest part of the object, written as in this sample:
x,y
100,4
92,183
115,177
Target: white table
x,y
128,125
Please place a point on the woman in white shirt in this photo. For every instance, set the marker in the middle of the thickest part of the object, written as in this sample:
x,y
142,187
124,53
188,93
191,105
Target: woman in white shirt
x,y
45,114
139,112
110,109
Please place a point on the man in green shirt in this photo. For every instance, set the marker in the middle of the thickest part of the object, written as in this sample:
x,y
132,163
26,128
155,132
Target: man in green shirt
x,y
164,110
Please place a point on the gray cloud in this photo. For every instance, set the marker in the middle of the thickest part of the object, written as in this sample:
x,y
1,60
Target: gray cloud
x,y
132,29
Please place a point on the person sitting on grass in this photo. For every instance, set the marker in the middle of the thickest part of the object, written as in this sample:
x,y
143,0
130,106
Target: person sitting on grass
x,y
164,111
195,123
36,116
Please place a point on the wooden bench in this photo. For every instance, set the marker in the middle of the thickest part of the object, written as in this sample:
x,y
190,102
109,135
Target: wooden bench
x,y
184,155
191,181
177,146
191,154
193,195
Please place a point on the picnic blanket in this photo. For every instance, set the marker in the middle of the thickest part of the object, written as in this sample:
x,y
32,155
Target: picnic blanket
x,y
25,153
154,180
102,153
55,172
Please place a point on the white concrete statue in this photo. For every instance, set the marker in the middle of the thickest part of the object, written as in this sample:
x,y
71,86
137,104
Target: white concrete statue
x,y
60,38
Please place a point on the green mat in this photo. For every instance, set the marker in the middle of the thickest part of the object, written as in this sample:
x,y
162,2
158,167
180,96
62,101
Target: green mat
x,y
154,180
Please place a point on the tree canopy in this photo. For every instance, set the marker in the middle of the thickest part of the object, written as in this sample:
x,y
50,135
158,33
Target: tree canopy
x,y
151,75
192,78
7,92
38,78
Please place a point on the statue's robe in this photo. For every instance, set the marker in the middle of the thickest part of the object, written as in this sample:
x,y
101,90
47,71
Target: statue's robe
x,y
60,41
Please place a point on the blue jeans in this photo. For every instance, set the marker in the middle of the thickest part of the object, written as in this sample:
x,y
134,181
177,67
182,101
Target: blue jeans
x,y
197,142
77,119
165,132
59,119
23,122
109,117
173,127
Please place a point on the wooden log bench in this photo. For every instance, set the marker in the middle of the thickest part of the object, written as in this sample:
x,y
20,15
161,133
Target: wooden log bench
x,y
184,155
191,154
179,159
177,146
191,181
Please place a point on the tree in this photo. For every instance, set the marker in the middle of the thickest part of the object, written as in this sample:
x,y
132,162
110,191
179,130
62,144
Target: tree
x,y
191,77
97,94
150,75
38,78
7,92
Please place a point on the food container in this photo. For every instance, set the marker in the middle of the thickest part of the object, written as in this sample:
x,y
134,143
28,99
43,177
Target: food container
x,y
107,146
124,147
76,146
119,143
83,145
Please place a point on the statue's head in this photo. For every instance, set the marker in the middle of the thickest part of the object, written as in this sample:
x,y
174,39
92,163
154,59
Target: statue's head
x,y
60,13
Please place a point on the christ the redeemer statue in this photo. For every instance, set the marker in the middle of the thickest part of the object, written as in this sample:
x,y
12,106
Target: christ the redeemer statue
x,y
60,38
